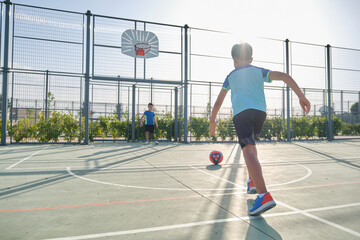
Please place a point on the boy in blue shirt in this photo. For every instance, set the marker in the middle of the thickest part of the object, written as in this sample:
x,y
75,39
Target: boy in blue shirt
x,y
246,83
150,122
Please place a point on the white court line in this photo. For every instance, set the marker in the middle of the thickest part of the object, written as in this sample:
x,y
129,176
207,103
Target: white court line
x,y
305,213
68,169
194,224
320,219
8,168
309,172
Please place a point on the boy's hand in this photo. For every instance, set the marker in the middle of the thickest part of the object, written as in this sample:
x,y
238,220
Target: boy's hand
x,y
305,104
140,124
212,128
156,125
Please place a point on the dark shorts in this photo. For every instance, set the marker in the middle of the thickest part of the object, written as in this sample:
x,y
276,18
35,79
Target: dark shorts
x,y
248,124
150,128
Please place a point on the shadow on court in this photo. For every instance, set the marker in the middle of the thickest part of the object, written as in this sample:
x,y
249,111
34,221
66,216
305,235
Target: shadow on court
x,y
258,227
61,176
213,167
348,163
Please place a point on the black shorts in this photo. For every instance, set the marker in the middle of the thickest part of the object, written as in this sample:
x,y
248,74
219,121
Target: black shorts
x,y
248,124
150,128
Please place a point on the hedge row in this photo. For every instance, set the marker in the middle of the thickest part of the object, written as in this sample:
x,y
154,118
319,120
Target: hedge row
x,y
64,126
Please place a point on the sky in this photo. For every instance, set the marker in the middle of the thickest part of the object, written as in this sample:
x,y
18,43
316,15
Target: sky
x,y
334,22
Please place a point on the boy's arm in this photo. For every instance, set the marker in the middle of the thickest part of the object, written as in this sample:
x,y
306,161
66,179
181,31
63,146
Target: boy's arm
x,y
215,110
286,78
155,122
141,120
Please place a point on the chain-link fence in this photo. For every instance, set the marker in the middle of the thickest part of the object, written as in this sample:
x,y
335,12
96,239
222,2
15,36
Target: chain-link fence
x,y
65,79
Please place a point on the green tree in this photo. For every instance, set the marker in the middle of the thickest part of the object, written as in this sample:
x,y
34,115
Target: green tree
x,y
354,109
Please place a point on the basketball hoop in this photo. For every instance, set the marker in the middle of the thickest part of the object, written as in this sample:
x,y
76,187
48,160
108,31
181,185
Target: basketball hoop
x,y
139,44
141,49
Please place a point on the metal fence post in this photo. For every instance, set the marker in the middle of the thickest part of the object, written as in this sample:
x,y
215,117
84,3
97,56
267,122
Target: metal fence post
x,y
35,111
118,108
17,109
191,110
304,91
283,110
12,107
87,77
151,91
46,93
5,73
176,115
11,118
342,104
72,108
186,27
80,127
328,74
128,116
359,108
138,108
133,114
209,101
287,65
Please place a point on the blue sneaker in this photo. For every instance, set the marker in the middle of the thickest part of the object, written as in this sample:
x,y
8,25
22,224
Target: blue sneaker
x,y
251,189
262,204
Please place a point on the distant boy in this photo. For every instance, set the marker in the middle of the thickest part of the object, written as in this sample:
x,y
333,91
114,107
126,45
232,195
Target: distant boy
x,y
150,122
249,108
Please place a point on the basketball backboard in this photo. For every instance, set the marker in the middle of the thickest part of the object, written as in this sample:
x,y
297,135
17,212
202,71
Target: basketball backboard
x,y
139,44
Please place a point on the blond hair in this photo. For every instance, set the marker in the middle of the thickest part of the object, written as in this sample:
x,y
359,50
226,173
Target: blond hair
x,y
242,51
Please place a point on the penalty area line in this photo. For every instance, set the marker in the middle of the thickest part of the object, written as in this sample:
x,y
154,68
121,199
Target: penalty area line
x,y
15,164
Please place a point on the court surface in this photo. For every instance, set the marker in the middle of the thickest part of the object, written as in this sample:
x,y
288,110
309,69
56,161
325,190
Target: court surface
x,y
171,191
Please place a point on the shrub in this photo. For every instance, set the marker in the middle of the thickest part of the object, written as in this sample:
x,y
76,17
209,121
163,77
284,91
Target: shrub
x,y
336,125
226,129
266,132
277,128
350,129
166,126
302,127
94,129
65,125
200,127
50,128
321,126
70,127
23,130
104,125
117,128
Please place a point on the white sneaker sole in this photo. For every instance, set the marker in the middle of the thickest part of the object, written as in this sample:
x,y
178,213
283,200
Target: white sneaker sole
x,y
263,208
252,190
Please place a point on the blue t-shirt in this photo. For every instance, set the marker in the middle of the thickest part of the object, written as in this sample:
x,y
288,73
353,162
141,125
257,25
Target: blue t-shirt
x,y
247,88
149,118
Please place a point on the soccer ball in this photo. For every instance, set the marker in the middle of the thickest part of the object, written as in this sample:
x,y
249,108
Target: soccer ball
x,y
216,157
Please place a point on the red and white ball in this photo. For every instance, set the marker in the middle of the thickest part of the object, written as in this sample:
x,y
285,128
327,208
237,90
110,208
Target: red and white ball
x,y
216,157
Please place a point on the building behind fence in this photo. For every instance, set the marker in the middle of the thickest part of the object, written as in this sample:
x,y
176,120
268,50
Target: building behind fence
x,y
69,63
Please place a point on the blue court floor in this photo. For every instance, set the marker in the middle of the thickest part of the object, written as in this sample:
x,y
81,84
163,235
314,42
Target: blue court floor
x,y
172,191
